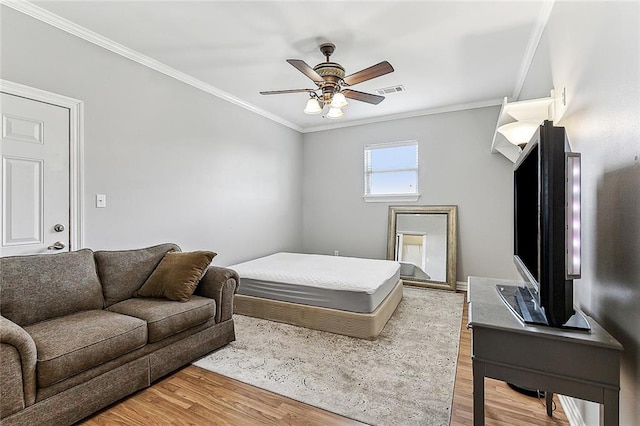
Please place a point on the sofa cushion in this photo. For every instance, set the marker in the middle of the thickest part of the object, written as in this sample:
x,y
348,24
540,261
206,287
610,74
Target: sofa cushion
x,y
123,272
38,287
177,276
75,343
164,317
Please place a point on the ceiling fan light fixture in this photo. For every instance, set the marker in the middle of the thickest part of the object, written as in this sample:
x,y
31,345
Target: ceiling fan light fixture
x,y
335,113
313,107
339,101
329,78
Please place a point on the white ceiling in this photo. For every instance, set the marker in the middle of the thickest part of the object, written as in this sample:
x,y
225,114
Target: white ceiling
x,y
447,54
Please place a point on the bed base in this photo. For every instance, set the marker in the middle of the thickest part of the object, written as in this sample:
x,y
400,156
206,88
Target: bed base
x,y
354,324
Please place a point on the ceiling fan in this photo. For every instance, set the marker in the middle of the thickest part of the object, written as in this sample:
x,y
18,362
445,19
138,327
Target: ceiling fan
x,y
332,84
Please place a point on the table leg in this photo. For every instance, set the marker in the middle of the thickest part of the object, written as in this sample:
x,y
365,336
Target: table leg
x,y
609,410
478,393
548,401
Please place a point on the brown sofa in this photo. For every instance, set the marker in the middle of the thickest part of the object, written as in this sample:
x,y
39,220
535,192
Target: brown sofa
x,y
73,339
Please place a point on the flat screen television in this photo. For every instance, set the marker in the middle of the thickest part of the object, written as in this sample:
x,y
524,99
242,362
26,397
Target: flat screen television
x,y
546,247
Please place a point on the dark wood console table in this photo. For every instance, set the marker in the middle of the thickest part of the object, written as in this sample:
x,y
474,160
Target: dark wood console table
x,y
584,365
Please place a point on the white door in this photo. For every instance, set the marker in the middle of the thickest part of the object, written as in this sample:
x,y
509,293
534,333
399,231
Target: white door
x,y
35,177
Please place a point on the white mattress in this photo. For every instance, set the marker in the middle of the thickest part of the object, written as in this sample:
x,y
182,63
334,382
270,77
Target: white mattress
x,y
337,282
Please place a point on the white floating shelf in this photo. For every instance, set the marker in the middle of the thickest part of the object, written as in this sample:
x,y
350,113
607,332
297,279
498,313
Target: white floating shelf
x,y
532,110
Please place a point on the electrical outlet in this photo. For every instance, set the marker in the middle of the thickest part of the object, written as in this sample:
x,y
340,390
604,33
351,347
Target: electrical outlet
x,y
336,253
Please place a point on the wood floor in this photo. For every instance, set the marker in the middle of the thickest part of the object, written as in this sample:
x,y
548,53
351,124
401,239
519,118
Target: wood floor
x,y
194,396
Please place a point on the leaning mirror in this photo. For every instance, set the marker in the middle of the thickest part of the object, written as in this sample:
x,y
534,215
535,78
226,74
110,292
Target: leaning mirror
x,y
423,240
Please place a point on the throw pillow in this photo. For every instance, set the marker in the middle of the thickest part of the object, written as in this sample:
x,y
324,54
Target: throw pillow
x,y
176,276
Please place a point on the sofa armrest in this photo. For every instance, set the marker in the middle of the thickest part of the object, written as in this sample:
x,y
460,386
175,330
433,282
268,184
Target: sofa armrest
x,y
220,284
11,334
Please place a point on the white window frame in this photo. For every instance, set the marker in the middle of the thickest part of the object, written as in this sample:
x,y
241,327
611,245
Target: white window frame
x,y
382,198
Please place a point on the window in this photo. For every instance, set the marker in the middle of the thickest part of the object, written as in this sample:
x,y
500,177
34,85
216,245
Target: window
x,y
391,171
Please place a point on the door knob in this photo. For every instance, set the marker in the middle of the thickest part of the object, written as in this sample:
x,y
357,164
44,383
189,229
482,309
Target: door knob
x,y
59,227
58,245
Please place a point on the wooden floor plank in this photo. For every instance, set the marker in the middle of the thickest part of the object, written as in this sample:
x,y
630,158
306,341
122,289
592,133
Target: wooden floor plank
x,y
194,396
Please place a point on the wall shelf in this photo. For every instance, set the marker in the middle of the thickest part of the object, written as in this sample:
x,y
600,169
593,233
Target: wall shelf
x,y
522,111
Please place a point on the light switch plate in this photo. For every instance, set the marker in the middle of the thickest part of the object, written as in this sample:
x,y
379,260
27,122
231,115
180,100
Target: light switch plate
x,y
101,200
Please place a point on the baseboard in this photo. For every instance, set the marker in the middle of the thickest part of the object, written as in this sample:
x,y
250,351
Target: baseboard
x,y
461,286
571,411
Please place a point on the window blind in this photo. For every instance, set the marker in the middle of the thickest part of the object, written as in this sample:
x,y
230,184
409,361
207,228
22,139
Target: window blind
x,y
391,168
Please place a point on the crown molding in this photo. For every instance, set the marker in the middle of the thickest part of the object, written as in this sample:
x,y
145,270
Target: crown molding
x,y
410,114
532,46
56,21
59,22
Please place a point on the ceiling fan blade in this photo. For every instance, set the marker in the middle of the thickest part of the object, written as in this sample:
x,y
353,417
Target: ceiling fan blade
x,y
368,73
280,92
305,69
363,97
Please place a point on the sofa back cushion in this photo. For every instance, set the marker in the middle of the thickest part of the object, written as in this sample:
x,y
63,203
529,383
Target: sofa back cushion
x,y
123,272
39,287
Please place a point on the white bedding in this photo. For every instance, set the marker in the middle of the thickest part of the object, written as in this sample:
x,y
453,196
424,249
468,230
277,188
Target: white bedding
x,y
338,282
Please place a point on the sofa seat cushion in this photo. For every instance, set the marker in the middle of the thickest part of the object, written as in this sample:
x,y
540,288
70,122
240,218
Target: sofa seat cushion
x,y
78,342
166,317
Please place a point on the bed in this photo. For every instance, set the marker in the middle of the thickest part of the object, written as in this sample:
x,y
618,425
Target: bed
x,y
343,295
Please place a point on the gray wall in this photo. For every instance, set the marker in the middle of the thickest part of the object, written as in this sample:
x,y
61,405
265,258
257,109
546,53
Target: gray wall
x,y
593,49
177,164
456,167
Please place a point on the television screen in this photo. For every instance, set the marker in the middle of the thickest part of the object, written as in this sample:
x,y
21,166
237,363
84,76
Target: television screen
x,y
541,236
526,213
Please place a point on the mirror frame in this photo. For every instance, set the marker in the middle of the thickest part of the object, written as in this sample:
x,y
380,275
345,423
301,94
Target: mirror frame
x,y
452,235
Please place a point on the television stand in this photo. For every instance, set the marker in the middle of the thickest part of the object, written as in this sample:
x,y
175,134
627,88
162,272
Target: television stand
x,y
525,307
554,360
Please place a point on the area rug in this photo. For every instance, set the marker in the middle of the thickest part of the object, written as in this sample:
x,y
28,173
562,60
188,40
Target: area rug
x,y
404,377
